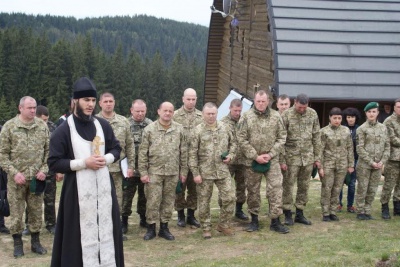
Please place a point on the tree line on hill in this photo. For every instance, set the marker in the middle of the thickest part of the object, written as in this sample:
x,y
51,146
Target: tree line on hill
x,y
31,64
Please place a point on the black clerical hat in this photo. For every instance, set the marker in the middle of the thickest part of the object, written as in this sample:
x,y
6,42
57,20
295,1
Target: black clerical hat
x,y
84,87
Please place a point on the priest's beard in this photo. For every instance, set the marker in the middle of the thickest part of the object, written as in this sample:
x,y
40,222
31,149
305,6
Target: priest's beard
x,y
81,115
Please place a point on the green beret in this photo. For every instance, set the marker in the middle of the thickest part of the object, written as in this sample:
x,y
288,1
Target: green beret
x,y
371,105
178,188
314,172
257,167
347,179
224,155
36,186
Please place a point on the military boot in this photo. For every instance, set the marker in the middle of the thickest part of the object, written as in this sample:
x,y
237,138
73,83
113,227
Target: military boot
x,y
288,217
396,208
239,212
300,217
253,226
164,232
151,232
181,218
385,211
278,227
191,220
143,222
36,247
18,246
124,224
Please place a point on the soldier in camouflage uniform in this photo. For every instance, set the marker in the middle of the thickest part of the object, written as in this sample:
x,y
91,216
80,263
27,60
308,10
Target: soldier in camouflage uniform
x,y
24,149
373,148
212,148
122,132
336,160
189,117
261,136
236,169
138,122
392,168
302,151
162,161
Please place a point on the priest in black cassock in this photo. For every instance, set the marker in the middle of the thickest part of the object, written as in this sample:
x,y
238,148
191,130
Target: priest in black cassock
x,y
88,231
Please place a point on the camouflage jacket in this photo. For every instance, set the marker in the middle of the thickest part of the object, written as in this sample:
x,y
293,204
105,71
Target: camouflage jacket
x,y
260,133
163,152
303,142
137,132
232,126
122,132
392,124
336,147
372,144
188,120
24,147
206,147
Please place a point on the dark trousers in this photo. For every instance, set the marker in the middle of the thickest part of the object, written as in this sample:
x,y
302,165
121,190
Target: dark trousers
x,y
351,190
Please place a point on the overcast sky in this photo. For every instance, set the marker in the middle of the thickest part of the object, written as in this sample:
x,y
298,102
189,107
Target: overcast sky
x,y
194,11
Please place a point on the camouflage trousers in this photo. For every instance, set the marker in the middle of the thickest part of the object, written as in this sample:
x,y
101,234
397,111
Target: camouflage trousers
x,y
118,177
274,190
49,200
18,195
368,180
160,195
134,184
301,175
190,202
392,180
237,171
227,206
331,185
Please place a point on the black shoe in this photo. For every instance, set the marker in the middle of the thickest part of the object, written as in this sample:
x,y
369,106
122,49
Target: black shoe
x,y
361,216
181,218
143,222
191,220
165,233
288,217
124,224
333,217
253,226
51,229
18,246
369,217
4,230
300,218
396,208
385,211
326,218
151,232
36,247
26,231
278,227
239,212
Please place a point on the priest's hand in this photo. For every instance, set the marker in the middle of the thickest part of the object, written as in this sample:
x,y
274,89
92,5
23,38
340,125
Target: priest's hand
x,y
95,162
145,179
41,176
19,179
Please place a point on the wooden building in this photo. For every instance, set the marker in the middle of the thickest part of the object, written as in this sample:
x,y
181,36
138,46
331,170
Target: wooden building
x,y
340,53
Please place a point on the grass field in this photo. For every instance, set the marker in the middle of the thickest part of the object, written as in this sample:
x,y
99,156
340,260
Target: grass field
x,y
348,242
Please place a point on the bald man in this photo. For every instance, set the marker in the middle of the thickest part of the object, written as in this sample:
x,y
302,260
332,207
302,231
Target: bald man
x,y
189,117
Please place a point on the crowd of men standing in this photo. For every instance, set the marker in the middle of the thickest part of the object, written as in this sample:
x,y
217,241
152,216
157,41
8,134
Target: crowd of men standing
x,y
175,161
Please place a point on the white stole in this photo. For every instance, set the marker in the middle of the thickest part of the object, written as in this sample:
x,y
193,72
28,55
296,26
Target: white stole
x,y
95,203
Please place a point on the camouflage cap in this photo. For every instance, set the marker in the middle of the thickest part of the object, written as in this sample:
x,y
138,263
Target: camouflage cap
x,y
371,105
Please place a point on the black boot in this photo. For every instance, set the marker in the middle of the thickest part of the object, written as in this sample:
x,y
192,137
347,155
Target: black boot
x,y
239,212
385,211
4,229
164,232
181,218
36,247
143,222
396,208
300,218
124,224
278,227
288,217
191,220
253,226
18,246
151,232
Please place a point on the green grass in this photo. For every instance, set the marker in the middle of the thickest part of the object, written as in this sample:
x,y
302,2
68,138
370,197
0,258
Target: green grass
x,y
348,242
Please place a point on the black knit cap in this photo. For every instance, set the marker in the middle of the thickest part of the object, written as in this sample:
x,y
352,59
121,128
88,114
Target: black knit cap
x,y
83,87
